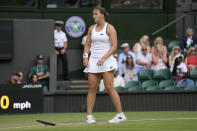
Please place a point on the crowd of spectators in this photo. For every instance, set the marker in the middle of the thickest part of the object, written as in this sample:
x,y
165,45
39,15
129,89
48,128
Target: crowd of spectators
x,y
38,74
130,62
143,56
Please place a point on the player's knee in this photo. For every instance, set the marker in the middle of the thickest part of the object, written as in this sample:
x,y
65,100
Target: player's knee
x,y
92,87
109,87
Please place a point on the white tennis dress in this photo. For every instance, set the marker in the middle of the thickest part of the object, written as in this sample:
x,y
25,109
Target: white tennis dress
x,y
99,47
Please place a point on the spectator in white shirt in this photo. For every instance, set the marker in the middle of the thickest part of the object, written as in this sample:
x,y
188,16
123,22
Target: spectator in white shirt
x,y
178,69
61,44
144,59
122,57
118,82
130,70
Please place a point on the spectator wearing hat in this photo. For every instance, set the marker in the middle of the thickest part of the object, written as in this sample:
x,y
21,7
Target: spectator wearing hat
x,y
61,44
179,72
144,59
122,57
42,72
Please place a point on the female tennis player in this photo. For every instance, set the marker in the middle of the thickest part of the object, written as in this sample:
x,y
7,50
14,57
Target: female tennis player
x,y
101,43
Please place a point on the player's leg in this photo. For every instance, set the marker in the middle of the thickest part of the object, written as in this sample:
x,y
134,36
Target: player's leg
x,y
93,85
108,78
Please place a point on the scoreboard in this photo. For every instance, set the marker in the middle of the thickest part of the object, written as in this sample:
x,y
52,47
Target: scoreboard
x,y
20,98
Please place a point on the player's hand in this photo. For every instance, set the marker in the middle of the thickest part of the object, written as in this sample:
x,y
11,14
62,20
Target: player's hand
x,y
101,61
85,62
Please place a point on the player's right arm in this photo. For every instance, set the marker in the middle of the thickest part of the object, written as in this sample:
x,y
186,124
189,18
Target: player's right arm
x,y
87,46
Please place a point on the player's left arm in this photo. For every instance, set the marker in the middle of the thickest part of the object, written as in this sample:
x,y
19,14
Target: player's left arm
x,y
111,32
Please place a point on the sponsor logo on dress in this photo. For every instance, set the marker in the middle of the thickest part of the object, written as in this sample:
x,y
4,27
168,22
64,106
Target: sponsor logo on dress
x,y
75,26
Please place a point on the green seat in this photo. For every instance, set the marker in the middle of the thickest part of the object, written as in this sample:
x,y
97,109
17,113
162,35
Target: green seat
x,y
149,83
174,43
162,74
191,88
131,84
119,89
166,83
171,88
193,74
135,88
147,74
153,88
195,46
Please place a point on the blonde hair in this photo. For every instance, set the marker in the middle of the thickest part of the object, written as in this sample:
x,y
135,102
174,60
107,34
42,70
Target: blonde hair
x,y
158,46
172,52
146,43
190,51
157,39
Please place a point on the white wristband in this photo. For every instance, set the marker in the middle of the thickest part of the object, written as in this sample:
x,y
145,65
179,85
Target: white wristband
x,y
85,55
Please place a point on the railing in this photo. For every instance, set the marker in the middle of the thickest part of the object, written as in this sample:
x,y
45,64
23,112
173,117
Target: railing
x,y
171,23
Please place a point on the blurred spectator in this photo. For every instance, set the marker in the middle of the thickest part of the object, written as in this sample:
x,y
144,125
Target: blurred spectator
x,y
21,78
130,70
144,59
61,44
191,59
83,40
118,81
34,79
116,56
176,50
159,54
144,40
42,71
14,79
188,40
122,57
178,68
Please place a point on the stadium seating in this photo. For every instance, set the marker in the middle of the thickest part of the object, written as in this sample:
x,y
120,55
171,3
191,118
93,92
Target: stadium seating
x,y
132,84
119,89
162,74
149,83
191,88
166,83
174,43
147,74
153,88
171,88
135,88
193,75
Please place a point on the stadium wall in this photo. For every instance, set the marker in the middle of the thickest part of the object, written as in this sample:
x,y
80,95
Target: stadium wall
x,y
31,38
131,101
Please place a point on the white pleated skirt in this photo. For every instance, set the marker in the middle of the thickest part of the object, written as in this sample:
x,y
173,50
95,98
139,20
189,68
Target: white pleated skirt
x,y
109,65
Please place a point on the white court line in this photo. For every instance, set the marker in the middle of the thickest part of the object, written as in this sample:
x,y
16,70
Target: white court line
x,y
83,123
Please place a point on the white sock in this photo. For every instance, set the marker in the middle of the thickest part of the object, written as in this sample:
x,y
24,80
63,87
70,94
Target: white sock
x,y
120,114
88,116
